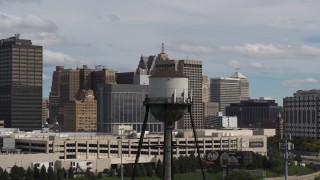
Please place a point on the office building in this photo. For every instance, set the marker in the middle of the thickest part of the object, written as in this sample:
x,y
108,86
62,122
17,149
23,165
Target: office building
x,y
221,121
253,112
102,75
20,83
55,96
85,78
301,113
229,90
45,110
81,115
122,104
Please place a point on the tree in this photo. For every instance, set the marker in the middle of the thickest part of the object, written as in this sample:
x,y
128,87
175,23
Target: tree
x,y
51,173
128,170
29,174
43,173
65,175
99,175
70,173
36,172
149,170
193,163
16,173
60,174
159,168
5,175
1,172
143,171
111,172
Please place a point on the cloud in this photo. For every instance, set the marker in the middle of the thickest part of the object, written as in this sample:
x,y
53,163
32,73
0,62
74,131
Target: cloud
x,y
30,23
266,51
52,59
247,65
191,48
299,82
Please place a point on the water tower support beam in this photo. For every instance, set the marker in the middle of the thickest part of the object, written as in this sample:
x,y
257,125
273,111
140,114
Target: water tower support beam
x,y
196,141
144,126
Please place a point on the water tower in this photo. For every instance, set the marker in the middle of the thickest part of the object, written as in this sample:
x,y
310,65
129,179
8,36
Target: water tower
x,y
168,101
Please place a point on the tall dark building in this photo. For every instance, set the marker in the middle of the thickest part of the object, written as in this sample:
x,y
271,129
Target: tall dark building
x,y
20,83
54,96
251,113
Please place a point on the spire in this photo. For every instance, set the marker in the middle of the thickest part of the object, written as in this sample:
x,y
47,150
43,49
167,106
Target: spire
x,y
162,51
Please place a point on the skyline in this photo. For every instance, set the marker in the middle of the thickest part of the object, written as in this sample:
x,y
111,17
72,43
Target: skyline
x,y
274,43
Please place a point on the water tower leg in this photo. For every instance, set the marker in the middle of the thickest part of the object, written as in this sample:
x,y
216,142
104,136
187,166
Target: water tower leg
x,y
167,160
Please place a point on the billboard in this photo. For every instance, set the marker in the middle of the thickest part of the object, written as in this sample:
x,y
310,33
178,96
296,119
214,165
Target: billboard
x,y
228,158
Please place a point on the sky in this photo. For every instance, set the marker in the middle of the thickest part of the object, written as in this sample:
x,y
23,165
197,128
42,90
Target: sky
x,y
274,43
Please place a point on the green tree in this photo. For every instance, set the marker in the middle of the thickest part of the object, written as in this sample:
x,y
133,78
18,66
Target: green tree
x,y
143,171
60,174
298,158
51,173
128,170
36,172
149,170
29,174
43,173
159,168
111,172
193,163
276,161
99,175
70,173
65,174
17,173
1,172
5,175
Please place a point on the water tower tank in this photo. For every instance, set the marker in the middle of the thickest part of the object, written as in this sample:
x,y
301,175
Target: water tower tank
x,y
168,97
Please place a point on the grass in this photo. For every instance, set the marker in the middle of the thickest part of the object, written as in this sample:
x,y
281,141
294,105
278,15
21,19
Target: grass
x,y
292,170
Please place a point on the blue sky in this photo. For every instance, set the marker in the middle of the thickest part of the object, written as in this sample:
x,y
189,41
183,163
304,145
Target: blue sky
x,y
275,43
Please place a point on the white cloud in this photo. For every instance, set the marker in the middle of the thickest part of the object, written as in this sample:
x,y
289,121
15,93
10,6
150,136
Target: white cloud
x,y
30,23
191,48
267,51
299,82
51,58
247,65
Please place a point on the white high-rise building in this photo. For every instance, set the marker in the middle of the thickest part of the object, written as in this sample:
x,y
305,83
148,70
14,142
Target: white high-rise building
x,y
229,90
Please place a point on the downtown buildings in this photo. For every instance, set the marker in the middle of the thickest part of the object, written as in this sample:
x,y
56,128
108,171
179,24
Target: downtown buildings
x,y
20,83
301,113
229,90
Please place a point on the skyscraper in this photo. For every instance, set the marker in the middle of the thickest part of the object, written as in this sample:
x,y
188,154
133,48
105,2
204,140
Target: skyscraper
x,y
55,96
229,90
20,83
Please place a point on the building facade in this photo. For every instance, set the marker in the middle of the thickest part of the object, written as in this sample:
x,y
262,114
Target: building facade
x,y
229,90
55,96
221,121
81,115
301,113
20,83
122,104
251,113
45,110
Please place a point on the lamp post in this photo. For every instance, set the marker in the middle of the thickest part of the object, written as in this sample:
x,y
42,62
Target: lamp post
x,y
121,165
